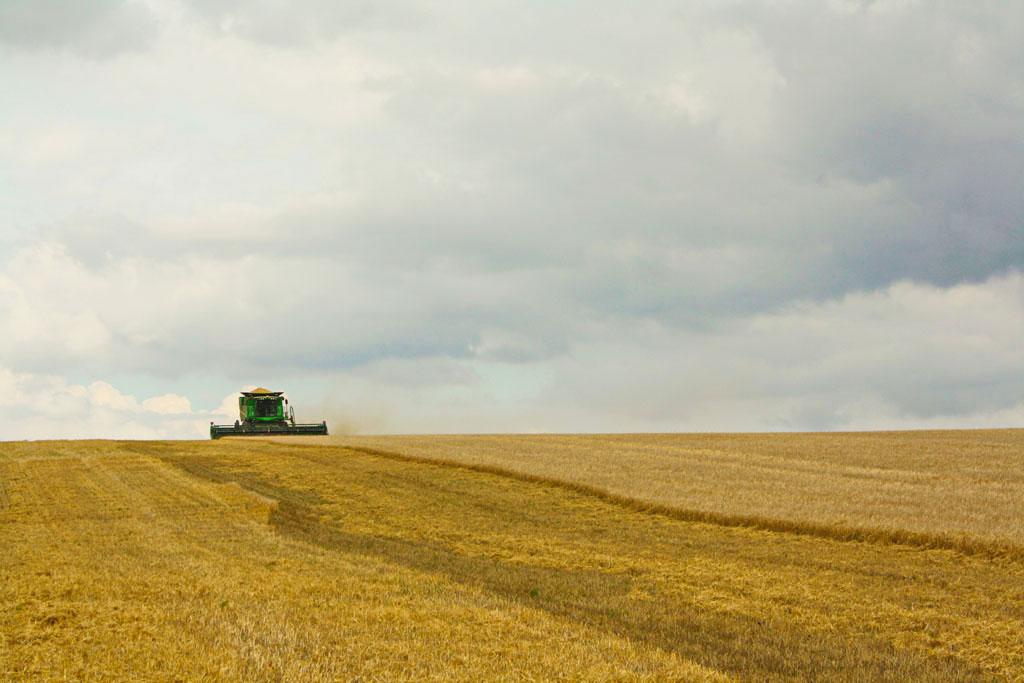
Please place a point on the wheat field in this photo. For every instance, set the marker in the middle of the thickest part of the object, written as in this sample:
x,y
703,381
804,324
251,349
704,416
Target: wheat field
x,y
961,489
257,560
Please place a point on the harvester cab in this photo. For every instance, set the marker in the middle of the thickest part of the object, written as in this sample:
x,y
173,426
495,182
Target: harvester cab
x,y
262,412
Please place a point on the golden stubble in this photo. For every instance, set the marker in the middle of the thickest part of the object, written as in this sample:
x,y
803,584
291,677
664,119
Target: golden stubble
x,y
253,560
118,565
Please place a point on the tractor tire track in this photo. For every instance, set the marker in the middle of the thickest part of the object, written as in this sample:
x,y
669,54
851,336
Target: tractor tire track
x,y
726,641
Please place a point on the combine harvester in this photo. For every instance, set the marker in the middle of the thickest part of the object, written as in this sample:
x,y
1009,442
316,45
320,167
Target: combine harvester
x,y
262,412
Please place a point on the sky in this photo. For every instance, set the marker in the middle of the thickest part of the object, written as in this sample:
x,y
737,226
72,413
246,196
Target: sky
x,y
700,215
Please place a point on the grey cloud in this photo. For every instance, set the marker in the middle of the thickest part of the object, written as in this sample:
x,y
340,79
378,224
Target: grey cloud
x,y
273,23
925,100
913,352
583,153
96,29
99,240
870,102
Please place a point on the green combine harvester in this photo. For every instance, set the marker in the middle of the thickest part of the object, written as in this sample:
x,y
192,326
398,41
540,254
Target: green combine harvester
x,y
262,412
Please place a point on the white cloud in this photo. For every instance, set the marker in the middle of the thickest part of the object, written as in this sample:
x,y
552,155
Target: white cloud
x,y
48,407
103,395
50,146
168,404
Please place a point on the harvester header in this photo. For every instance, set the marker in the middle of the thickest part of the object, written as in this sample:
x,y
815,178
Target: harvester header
x,y
262,412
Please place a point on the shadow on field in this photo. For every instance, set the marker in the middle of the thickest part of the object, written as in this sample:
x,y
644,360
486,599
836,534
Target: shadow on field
x,y
739,645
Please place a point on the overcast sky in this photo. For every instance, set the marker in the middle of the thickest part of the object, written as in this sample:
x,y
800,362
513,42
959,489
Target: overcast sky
x,y
511,216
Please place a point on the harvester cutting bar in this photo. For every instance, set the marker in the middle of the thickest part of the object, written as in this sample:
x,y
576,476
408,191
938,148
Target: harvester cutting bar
x,y
217,431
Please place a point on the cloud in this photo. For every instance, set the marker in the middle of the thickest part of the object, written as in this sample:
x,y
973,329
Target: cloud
x,y
51,408
168,404
907,97
274,23
599,210
918,354
97,29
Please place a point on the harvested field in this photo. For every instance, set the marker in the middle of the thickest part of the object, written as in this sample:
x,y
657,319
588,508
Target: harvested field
x,y
247,559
